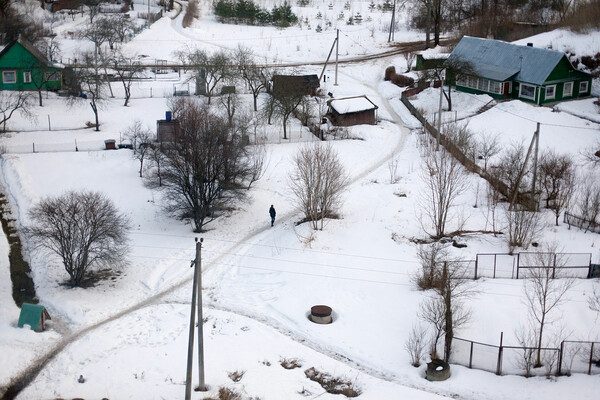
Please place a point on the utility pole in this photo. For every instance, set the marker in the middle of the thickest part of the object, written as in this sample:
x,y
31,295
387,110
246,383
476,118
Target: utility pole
x,y
439,121
196,297
201,386
190,355
535,162
337,53
392,23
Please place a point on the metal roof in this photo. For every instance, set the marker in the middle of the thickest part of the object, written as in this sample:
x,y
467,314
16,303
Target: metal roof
x,y
494,59
31,314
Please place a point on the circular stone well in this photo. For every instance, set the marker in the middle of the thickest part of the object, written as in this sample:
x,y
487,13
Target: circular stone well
x,y
320,314
437,370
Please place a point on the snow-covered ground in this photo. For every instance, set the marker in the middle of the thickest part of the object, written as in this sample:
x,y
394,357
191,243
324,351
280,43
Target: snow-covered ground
x,y
260,282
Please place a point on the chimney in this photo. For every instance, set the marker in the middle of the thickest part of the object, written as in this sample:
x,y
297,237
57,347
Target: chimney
x,y
529,44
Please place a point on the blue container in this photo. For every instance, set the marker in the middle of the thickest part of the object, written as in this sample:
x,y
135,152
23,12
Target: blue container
x,y
168,116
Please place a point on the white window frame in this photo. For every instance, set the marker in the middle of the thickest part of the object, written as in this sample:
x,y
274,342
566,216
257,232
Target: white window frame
x,y
524,96
547,96
6,81
583,84
565,92
27,77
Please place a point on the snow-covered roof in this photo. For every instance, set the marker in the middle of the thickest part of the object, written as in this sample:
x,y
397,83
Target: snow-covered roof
x,y
436,53
349,105
494,59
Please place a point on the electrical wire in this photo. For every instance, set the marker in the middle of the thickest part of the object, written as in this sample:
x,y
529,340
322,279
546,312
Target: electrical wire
x,y
532,120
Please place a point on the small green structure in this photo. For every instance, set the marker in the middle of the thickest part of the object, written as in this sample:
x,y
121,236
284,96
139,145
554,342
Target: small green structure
x,y
33,315
23,67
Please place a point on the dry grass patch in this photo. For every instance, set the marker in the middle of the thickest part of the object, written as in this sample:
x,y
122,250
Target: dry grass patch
x,y
332,384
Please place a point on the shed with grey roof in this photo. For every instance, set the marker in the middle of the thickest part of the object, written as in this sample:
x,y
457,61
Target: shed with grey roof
x,y
508,71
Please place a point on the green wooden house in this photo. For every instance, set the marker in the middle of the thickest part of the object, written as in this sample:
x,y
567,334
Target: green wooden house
x,y
430,59
23,67
33,315
508,71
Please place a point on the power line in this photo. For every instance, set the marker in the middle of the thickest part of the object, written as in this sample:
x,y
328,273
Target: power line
x,y
532,120
285,248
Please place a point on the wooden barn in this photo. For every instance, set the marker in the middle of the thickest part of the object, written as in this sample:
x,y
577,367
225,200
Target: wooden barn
x,y
508,71
34,315
23,67
430,59
350,111
293,85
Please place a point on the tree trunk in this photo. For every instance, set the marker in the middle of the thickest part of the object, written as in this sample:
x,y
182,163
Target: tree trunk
x,y
40,96
448,323
428,28
538,362
285,127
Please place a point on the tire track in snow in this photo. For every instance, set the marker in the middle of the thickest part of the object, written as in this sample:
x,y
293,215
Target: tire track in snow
x,y
25,377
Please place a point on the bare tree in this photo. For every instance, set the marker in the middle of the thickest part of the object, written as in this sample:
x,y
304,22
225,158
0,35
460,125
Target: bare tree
x,y
120,27
12,102
557,178
317,182
84,229
229,103
588,201
204,168
191,12
126,69
93,8
256,77
156,158
509,166
462,137
284,106
444,181
545,289
592,155
488,147
257,156
523,227
393,164
431,258
493,199
457,69
208,70
451,288
91,82
527,340
141,139
431,311
415,344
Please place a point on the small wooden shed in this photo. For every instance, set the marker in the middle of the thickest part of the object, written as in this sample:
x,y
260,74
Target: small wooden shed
x,y
293,85
34,315
350,111
167,130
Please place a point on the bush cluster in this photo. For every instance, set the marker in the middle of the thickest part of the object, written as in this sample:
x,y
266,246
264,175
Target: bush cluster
x,y
246,11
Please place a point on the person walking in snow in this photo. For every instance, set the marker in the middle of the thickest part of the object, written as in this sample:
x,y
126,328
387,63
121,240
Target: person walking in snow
x,y
272,213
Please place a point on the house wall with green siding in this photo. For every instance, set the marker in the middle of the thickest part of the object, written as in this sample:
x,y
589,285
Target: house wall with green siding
x,y
17,62
562,74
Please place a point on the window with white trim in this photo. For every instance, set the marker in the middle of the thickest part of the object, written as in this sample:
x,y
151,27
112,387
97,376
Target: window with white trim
x,y
527,91
568,89
550,92
27,77
583,87
9,76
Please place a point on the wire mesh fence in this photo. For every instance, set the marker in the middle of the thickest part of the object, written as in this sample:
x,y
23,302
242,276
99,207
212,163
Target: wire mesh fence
x,y
579,357
571,357
519,266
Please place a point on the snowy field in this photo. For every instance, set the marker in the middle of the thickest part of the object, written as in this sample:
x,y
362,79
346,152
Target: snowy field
x,y
260,282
